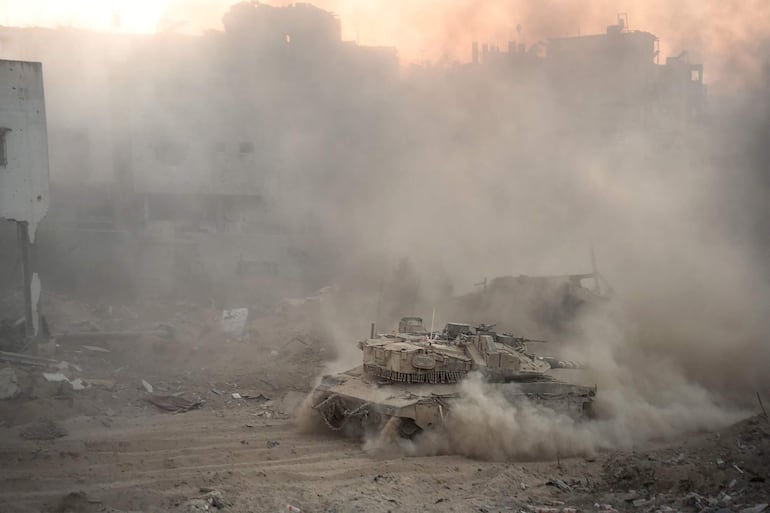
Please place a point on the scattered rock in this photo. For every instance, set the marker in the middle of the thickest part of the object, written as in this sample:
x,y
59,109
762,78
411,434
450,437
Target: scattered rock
x,y
212,499
558,483
173,403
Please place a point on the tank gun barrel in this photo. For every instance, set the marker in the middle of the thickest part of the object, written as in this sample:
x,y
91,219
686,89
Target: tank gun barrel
x,y
555,363
522,339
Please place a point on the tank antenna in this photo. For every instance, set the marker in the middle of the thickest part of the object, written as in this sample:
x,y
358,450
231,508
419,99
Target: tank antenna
x,y
432,320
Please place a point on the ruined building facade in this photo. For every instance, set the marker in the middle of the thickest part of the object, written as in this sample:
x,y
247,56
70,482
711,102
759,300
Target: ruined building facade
x,y
181,164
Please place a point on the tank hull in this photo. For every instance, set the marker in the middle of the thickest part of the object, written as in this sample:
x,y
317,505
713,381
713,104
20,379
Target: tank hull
x,y
355,400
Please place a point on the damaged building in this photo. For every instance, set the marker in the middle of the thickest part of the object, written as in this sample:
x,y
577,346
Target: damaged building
x,y
24,191
166,148
608,80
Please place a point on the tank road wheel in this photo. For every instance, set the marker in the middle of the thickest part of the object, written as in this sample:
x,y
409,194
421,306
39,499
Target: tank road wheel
x,y
332,413
408,428
372,420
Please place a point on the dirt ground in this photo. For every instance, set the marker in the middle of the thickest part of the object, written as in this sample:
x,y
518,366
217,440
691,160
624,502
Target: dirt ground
x,y
106,449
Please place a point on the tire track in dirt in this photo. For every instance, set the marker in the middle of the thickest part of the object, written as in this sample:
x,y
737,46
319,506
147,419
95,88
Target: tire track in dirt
x,y
165,453
158,462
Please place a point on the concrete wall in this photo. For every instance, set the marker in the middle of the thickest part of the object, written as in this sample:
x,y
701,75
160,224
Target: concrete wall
x,y
23,143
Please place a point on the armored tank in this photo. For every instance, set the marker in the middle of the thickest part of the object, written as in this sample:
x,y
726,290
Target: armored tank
x,y
414,376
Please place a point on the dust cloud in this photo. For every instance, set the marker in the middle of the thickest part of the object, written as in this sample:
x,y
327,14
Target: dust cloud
x,y
403,185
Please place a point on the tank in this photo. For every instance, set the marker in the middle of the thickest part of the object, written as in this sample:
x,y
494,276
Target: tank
x,y
414,376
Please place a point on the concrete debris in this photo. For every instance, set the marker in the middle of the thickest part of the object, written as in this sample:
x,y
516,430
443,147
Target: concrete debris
x,y
293,509
216,499
272,443
55,377
66,366
252,396
233,322
558,483
109,384
173,403
148,387
78,384
9,384
212,499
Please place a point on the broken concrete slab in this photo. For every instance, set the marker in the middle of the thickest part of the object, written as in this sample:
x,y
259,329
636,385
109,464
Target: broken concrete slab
x,y
9,384
233,322
55,377
173,403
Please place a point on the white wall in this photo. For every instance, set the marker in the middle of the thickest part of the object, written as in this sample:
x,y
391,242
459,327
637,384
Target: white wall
x,y
24,177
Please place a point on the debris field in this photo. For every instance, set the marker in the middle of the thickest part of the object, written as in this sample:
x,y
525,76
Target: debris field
x,y
205,421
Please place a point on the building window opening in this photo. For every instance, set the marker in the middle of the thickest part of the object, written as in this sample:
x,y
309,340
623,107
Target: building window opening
x,y
3,147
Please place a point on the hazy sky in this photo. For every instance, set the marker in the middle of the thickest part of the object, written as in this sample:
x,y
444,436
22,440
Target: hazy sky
x,y
724,34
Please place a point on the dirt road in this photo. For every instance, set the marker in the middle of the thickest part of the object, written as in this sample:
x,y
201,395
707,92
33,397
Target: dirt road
x,y
175,462
105,449
159,462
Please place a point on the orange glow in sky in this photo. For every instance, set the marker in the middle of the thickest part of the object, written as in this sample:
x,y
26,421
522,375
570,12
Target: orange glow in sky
x,y
717,32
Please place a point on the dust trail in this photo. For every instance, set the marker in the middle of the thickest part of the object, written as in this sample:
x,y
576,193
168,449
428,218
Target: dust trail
x,y
641,396
484,425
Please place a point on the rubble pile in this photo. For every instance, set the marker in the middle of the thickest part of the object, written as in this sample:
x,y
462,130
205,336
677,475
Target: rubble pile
x,y
110,359
197,405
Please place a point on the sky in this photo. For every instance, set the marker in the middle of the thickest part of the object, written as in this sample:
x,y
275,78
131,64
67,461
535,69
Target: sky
x,y
724,34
